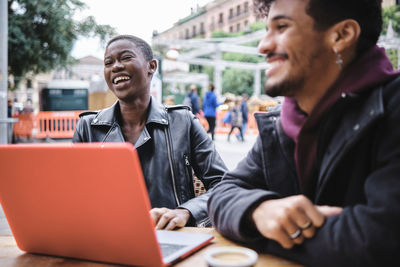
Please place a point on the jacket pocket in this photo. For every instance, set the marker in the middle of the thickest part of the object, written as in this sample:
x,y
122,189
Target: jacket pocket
x,y
189,173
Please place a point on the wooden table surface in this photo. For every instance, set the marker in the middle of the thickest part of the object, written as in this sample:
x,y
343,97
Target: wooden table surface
x,y
11,256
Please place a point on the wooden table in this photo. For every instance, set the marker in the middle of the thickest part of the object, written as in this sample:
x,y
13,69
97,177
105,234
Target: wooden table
x,y
11,256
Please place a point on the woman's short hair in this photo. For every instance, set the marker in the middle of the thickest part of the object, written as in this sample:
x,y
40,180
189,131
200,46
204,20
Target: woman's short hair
x,y
140,43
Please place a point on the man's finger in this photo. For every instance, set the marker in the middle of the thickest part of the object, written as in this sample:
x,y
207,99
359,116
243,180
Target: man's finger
x,y
284,239
302,222
329,210
312,213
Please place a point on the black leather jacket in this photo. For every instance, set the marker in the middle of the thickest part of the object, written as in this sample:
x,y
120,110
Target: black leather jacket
x,y
172,143
358,164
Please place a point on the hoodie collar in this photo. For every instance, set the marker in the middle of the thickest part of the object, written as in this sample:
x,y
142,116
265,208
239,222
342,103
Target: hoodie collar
x,y
370,70
366,73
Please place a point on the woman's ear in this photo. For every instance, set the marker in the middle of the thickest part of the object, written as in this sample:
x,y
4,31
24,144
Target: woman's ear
x,y
152,66
344,34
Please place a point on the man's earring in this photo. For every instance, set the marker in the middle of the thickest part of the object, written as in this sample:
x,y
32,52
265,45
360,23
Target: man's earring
x,y
339,60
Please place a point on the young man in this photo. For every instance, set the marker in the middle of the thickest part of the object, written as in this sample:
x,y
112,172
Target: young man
x,y
210,105
170,141
321,186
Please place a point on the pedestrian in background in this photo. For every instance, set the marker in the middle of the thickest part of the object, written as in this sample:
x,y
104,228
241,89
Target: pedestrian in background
x,y
9,108
236,119
194,99
245,114
210,105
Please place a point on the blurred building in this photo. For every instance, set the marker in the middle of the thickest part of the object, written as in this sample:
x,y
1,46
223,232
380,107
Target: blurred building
x,y
90,69
387,3
218,15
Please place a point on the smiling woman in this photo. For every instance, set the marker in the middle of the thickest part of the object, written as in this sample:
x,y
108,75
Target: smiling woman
x,y
170,141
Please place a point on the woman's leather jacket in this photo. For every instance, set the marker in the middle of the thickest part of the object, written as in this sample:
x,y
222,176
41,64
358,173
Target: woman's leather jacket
x,y
170,146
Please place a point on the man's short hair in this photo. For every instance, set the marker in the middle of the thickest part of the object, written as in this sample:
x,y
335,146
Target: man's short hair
x,y
368,14
141,44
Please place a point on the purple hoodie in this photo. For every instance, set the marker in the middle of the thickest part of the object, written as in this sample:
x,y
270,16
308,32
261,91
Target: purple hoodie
x,y
369,71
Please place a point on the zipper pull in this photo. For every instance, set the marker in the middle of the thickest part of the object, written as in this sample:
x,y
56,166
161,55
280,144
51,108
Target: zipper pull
x,y
187,163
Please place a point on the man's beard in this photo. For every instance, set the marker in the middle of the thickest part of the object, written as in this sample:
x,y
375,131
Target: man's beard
x,y
285,88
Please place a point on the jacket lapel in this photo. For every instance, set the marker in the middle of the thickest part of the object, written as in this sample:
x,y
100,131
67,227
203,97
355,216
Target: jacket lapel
x,y
354,124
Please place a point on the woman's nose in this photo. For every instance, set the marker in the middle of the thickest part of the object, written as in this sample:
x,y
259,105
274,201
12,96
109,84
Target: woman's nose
x,y
117,66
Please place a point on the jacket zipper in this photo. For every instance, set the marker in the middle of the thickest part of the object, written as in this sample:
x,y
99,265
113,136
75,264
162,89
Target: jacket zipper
x,y
189,171
171,167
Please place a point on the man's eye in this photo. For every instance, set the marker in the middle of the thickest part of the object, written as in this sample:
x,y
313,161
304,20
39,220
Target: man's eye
x,y
281,26
107,63
126,57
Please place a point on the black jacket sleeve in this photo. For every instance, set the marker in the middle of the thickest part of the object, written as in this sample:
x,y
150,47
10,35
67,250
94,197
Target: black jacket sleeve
x,y
238,192
208,167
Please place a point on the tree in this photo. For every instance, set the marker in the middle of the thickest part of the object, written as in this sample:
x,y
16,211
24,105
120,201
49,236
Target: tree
x,y
237,81
41,34
391,13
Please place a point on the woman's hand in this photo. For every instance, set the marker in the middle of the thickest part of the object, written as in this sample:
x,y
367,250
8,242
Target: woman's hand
x,y
168,219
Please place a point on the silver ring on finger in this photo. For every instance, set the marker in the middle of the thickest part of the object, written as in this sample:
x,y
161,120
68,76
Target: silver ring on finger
x,y
296,234
306,225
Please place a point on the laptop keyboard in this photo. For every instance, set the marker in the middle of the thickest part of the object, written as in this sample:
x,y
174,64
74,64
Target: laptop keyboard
x,y
168,249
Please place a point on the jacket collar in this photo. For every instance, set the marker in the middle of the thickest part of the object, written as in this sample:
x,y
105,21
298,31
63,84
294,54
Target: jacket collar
x,y
108,116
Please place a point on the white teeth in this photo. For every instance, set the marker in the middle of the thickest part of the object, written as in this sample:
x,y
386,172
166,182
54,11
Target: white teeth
x,y
121,78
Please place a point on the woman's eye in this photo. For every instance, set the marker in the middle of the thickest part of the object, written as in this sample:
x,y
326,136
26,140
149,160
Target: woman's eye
x,y
126,57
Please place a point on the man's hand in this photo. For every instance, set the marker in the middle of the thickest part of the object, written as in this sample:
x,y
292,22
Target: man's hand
x,y
169,219
290,220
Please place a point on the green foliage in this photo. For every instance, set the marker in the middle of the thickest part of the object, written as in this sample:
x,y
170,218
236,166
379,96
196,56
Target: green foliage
x,y
41,34
256,26
242,57
392,55
237,81
391,13
222,34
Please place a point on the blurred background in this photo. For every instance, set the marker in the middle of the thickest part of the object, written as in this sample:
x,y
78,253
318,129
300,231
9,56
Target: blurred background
x,y
52,57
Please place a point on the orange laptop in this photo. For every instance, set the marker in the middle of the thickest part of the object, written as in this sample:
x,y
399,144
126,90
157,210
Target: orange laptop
x,y
86,201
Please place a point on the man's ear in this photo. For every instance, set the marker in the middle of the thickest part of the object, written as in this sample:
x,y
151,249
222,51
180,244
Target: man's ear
x,y
344,34
152,66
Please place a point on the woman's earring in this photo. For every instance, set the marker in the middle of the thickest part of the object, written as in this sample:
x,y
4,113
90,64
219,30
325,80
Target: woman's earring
x,y
339,60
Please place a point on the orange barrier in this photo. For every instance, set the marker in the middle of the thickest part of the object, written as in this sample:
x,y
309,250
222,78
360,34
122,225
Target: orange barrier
x,y
61,124
24,126
56,124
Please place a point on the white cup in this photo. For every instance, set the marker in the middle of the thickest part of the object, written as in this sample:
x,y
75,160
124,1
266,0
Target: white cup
x,y
230,256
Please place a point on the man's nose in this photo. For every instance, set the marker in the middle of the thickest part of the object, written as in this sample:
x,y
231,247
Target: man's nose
x,y
266,45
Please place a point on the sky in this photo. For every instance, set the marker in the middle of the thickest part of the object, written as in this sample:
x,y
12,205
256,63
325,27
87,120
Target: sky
x,y
136,17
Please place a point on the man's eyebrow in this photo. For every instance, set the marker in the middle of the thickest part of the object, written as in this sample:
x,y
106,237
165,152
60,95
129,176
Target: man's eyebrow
x,y
278,17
